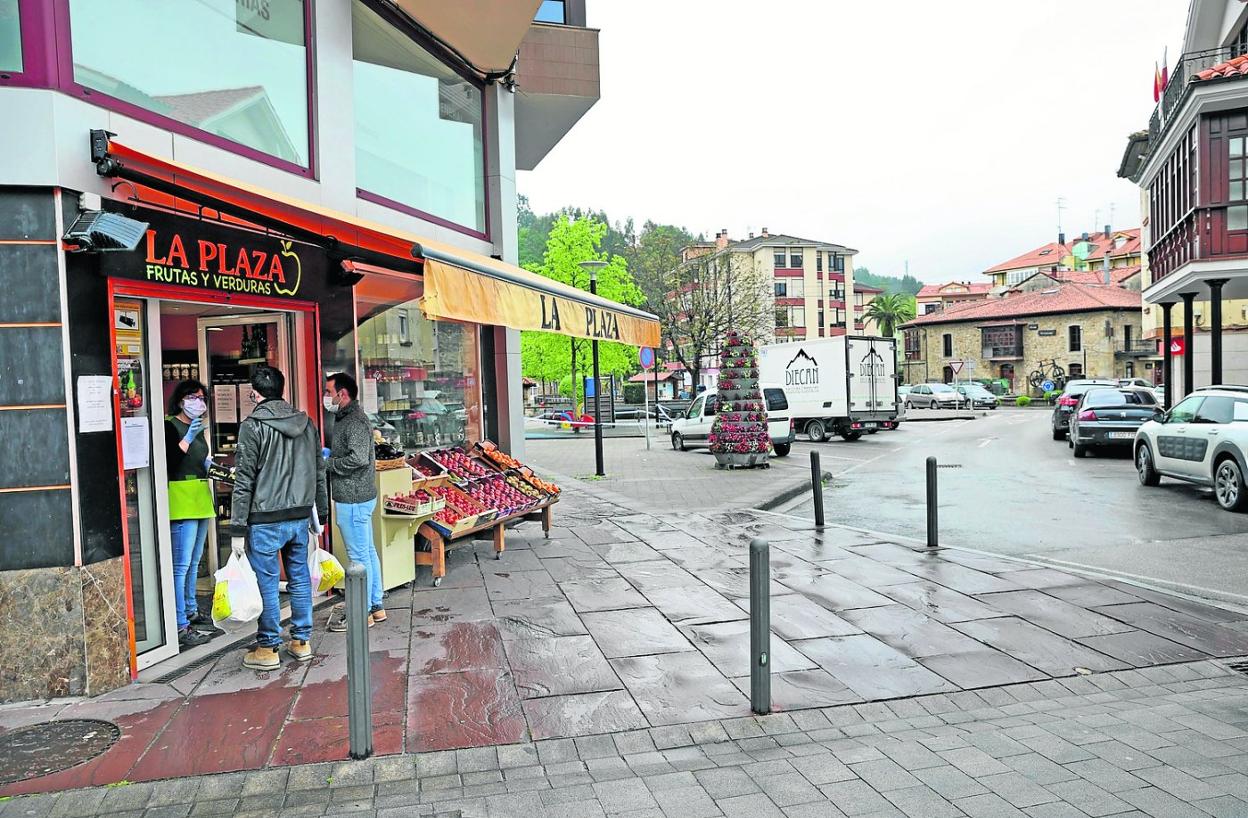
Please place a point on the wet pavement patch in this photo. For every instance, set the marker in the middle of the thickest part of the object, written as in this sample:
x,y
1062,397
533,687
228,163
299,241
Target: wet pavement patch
x,y
51,746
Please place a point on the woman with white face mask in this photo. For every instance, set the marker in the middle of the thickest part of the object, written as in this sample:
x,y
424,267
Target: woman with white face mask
x,y
191,506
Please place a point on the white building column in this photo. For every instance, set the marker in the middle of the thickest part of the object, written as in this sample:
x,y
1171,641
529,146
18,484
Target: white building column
x,y
500,185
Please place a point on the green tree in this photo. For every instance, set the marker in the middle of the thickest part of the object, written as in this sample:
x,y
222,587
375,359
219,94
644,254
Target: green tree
x,y
889,284
889,311
549,357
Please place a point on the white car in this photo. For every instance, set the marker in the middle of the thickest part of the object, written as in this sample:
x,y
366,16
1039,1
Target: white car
x,y
1202,440
694,427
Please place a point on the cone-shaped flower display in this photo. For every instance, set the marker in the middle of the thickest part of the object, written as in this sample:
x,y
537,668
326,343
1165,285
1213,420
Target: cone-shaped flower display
x,y
739,435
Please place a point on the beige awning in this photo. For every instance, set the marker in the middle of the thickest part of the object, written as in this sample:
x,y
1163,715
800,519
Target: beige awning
x,y
468,287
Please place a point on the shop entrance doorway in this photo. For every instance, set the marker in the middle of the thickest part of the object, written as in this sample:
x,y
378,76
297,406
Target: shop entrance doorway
x,y
160,340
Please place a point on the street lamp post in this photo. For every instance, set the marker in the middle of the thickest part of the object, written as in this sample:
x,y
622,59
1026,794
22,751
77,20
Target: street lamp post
x,y
593,267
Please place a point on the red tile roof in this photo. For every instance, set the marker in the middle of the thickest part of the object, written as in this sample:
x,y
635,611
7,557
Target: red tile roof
x,y
1231,68
1052,253
1061,298
866,288
651,377
1117,275
935,290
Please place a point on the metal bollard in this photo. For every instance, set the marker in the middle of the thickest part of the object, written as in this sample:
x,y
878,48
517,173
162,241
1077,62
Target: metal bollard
x,y
359,686
760,627
816,485
932,521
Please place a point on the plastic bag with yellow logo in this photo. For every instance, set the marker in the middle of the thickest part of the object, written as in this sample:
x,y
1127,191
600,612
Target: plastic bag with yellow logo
x,y
236,597
331,570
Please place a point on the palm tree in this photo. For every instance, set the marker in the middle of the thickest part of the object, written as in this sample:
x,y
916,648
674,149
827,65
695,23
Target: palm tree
x,y
890,311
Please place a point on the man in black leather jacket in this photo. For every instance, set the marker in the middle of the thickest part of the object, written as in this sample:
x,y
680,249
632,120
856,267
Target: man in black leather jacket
x,y
279,476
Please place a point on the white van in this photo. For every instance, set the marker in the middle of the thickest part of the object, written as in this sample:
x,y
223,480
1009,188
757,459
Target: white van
x,y
693,428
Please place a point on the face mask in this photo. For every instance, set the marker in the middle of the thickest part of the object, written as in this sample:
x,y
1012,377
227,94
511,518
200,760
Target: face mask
x,y
194,407
328,402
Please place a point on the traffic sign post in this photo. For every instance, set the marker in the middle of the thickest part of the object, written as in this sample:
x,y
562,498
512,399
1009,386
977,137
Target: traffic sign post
x,y
646,358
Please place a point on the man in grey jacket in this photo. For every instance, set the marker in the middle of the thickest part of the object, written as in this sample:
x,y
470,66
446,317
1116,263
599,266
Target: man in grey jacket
x,y
353,488
278,480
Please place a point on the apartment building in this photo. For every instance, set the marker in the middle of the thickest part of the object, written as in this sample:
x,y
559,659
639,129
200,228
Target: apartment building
x,y
798,288
1190,166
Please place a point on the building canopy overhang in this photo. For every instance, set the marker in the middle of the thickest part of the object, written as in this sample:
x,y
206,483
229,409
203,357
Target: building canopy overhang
x,y
484,33
459,284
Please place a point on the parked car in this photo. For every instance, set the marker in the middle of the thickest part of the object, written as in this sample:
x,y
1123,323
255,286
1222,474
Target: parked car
x,y
1069,399
1108,418
934,396
1136,383
978,396
694,428
1202,440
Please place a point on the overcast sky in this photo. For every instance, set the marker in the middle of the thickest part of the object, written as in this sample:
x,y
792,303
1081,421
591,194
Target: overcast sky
x,y
941,133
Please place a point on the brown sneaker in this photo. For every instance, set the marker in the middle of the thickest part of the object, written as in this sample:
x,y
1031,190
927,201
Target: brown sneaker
x,y
262,658
378,615
300,649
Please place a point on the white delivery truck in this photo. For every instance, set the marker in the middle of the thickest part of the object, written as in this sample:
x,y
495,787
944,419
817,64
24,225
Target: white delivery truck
x,y
845,385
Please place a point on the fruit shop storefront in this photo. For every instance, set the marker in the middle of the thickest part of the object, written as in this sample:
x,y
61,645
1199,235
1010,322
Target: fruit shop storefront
x,y
224,278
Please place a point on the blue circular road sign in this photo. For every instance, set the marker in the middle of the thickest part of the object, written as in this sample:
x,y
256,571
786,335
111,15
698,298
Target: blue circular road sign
x,y
646,354
1047,386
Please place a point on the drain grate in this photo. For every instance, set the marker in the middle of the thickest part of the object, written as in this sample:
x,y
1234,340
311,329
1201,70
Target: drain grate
x,y
1239,667
52,746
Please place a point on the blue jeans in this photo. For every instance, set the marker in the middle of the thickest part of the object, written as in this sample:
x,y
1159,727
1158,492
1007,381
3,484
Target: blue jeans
x,y
265,542
355,521
188,549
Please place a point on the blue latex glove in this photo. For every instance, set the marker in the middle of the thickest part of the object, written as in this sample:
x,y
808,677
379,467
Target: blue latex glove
x,y
192,431
208,463
325,453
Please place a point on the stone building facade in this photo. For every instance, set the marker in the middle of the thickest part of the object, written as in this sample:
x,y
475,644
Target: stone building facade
x,y
1086,330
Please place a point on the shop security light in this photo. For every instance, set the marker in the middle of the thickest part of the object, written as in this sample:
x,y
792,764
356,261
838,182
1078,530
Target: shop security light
x,y
98,231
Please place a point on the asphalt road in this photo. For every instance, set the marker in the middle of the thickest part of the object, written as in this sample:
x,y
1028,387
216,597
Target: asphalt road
x,y
1019,493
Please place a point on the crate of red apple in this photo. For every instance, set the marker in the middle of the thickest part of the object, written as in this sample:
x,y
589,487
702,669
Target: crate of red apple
x,y
459,463
462,511
495,492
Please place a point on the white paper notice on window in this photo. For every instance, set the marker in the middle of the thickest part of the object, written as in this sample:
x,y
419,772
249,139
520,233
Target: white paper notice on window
x,y
245,403
136,447
225,403
95,403
368,395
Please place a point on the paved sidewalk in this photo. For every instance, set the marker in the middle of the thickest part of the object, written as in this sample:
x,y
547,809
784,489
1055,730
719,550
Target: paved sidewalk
x,y
663,479
1165,742
624,621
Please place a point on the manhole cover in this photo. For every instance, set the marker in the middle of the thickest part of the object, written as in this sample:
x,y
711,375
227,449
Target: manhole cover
x,y
52,746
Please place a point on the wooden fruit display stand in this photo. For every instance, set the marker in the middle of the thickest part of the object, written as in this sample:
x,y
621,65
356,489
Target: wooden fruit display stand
x,y
482,490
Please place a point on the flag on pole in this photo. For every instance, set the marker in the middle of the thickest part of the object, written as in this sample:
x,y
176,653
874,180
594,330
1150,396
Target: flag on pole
x,y
1165,68
1156,82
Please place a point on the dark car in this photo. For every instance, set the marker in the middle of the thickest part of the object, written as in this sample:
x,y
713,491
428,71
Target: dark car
x,y
1070,399
1109,418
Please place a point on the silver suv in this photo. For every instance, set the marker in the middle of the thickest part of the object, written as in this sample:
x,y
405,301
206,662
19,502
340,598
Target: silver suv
x,y
1201,440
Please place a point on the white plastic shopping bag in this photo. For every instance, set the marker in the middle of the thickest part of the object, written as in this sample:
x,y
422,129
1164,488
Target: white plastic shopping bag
x,y
236,597
330,571
315,571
